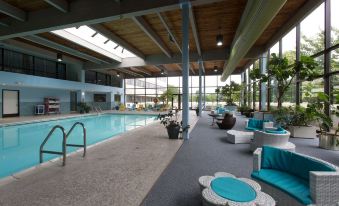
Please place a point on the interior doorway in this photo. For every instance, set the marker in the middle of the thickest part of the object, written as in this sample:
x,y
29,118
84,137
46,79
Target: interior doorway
x,y
73,101
10,103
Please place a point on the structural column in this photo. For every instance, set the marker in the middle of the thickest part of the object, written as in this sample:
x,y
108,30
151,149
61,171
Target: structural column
x,y
185,68
297,58
200,87
263,85
327,57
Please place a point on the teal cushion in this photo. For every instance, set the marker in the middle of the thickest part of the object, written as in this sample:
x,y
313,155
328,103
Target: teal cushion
x,y
279,130
308,165
233,189
251,128
296,187
256,123
221,110
273,158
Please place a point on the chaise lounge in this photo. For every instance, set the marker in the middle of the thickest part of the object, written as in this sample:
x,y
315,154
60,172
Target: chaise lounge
x,y
295,179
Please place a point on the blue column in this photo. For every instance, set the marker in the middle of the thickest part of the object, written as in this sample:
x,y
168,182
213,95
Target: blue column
x,y
185,68
200,87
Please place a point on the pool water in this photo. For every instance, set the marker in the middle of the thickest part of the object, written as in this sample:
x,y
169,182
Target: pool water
x,y
19,144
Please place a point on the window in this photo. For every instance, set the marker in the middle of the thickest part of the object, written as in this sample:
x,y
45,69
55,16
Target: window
x,y
334,22
90,77
87,37
312,32
289,46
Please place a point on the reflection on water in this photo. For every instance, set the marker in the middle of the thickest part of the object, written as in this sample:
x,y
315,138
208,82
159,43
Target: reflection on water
x,y
19,145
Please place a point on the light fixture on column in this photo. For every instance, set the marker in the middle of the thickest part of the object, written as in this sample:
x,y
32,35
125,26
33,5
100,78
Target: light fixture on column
x,y
59,57
220,38
215,69
162,72
118,74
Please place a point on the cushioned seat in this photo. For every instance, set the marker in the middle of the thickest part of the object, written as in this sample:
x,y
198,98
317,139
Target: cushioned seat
x,y
289,172
291,184
276,131
255,124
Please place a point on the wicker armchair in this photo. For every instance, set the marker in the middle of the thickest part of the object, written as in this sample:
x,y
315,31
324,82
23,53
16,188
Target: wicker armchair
x,y
324,186
261,138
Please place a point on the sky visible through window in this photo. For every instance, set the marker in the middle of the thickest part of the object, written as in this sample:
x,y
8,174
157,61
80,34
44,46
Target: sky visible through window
x,y
84,36
313,24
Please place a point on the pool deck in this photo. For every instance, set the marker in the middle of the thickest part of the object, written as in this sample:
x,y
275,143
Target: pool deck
x,y
120,171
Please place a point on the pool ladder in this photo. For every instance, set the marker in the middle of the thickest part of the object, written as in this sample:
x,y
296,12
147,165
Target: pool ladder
x,y
64,142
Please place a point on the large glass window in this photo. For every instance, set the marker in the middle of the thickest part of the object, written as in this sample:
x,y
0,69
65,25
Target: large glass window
x,y
312,32
334,22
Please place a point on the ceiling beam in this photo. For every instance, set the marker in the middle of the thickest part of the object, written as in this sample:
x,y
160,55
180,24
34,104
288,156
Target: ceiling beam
x,y
192,69
61,5
5,24
12,11
128,71
164,22
59,47
303,12
86,12
159,59
141,22
113,37
194,30
141,70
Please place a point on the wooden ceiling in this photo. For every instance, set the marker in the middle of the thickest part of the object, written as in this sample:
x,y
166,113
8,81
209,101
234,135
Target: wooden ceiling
x,y
221,17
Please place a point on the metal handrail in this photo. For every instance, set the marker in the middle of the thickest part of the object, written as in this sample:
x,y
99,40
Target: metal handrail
x,y
63,153
84,136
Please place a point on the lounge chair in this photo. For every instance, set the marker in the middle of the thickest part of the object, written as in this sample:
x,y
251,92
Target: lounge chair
x,y
227,122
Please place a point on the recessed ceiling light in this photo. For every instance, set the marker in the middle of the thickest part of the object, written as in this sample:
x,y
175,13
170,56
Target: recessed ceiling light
x,y
215,69
59,57
220,40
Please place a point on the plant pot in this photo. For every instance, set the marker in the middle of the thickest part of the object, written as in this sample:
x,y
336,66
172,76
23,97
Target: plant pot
x,y
308,132
329,141
197,112
173,132
117,107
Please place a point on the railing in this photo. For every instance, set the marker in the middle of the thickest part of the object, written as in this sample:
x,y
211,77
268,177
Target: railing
x,y
64,142
63,153
84,136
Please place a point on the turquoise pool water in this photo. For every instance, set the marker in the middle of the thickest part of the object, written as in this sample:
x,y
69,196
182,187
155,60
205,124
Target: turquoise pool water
x,y
19,144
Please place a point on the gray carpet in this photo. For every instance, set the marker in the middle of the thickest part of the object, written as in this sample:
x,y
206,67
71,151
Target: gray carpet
x,y
207,152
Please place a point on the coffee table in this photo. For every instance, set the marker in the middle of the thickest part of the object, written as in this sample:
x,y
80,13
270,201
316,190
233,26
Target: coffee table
x,y
211,198
214,116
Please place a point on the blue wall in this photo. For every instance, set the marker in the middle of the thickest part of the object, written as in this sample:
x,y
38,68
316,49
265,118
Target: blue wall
x,y
33,89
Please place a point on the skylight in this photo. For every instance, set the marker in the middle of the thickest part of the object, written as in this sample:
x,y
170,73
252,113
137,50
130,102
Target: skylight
x,y
90,39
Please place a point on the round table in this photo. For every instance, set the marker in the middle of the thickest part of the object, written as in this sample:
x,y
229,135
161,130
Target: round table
x,y
210,198
214,116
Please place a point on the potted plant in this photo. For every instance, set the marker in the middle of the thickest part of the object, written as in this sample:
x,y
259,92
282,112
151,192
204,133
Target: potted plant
x,y
299,120
284,73
83,107
230,92
173,127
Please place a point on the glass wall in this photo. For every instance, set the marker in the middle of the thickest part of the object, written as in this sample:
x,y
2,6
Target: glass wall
x,y
312,43
143,91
